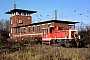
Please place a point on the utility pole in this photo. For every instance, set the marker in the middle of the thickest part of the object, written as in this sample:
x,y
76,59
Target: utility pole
x,y
15,4
55,13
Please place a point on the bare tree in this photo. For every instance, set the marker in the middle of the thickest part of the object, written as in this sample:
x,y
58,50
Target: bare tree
x,y
84,32
7,25
4,29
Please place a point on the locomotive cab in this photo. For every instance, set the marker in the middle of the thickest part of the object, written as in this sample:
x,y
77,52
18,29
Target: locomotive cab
x,y
46,37
71,26
51,29
45,31
73,31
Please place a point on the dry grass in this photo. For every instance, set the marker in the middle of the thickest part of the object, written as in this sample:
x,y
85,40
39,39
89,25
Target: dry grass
x,y
48,52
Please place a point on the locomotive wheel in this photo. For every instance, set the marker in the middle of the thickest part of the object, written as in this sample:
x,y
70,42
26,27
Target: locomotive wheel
x,y
53,41
67,45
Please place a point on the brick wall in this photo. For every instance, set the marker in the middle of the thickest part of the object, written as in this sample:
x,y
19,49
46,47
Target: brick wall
x,y
64,25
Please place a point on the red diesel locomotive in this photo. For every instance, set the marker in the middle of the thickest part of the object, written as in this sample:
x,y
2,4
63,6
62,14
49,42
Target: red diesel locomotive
x,y
57,35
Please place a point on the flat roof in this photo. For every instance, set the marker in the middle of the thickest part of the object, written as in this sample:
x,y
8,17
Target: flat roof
x,y
58,21
20,10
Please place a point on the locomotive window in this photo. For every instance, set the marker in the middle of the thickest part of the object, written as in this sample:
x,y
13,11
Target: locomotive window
x,y
51,30
46,31
60,28
49,25
71,26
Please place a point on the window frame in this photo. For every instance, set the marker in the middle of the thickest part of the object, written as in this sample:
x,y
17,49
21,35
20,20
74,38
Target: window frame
x,y
11,21
49,24
38,27
29,28
43,25
45,31
11,30
33,28
24,30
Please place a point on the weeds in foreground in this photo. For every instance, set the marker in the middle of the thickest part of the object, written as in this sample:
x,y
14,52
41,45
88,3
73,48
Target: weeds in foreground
x,y
47,52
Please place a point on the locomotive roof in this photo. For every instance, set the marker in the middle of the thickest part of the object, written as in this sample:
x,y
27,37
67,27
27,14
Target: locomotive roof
x,y
20,10
59,21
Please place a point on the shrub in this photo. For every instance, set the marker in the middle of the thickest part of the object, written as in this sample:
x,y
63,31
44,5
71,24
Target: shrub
x,y
3,40
11,40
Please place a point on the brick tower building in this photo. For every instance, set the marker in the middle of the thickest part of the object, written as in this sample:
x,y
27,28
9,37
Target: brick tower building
x,y
19,17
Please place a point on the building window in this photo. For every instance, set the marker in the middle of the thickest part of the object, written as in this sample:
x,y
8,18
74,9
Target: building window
x,y
28,29
28,14
11,21
11,30
17,30
9,34
49,24
24,30
28,17
17,20
43,25
38,28
17,13
33,28
20,22
21,30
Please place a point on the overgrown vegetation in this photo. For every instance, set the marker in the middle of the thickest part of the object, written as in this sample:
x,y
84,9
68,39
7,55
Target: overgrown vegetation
x,y
84,32
47,52
29,49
